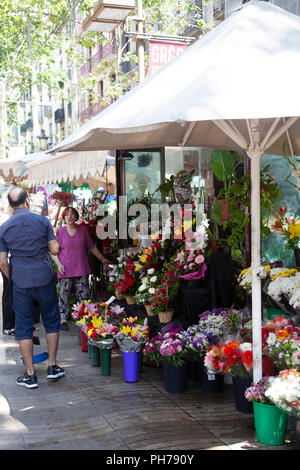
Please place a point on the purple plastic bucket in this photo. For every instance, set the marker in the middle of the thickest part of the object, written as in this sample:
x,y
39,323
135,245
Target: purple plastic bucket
x,y
131,366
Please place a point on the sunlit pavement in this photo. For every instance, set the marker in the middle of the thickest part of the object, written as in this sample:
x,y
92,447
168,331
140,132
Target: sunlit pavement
x,y
87,411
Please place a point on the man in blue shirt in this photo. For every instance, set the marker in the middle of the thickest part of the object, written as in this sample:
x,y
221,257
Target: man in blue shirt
x,y
29,238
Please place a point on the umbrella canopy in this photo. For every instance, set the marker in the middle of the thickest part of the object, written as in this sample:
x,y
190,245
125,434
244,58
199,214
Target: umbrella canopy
x,y
235,88
78,167
246,68
15,169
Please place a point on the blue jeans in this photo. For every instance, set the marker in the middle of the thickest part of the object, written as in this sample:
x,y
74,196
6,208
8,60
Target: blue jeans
x,y
23,304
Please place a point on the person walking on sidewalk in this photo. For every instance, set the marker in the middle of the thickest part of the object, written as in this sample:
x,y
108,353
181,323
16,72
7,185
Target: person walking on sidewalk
x,y
28,238
73,268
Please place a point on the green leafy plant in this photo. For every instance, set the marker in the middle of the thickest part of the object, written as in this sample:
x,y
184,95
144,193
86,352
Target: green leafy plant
x,y
236,191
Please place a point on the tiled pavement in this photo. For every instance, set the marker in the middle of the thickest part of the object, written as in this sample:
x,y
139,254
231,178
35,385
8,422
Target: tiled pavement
x,y
87,411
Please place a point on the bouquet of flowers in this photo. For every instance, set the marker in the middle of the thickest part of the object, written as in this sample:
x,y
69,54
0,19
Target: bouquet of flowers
x,y
101,333
132,336
232,357
62,198
284,391
167,347
152,256
129,281
285,353
257,392
198,338
190,261
165,293
146,291
84,309
115,271
287,227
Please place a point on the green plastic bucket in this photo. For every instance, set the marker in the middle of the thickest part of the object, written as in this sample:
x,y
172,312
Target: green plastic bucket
x,y
105,361
78,336
270,424
274,312
95,356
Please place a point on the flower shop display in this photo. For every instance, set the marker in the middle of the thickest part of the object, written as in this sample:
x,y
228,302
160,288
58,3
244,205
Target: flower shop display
x,y
197,339
281,342
146,291
61,199
164,297
235,358
168,349
287,227
270,421
284,392
182,184
129,281
131,338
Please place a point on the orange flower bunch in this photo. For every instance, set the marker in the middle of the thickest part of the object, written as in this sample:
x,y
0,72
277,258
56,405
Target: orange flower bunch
x,y
233,357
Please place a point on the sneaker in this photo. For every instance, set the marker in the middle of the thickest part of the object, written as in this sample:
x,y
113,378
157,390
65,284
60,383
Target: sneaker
x,y
28,381
54,372
64,326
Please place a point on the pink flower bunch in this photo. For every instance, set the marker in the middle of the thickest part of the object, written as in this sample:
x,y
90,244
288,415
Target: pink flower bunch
x,y
187,262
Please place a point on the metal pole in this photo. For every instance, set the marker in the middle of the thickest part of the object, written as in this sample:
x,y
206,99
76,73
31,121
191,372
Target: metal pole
x,y
140,42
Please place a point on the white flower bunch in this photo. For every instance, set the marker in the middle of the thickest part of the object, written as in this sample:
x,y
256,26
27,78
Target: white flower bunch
x,y
284,391
146,290
284,286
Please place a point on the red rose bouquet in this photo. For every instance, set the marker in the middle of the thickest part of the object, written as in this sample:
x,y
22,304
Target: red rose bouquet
x,y
129,280
165,293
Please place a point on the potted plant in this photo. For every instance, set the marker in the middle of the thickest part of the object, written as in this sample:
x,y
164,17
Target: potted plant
x,y
146,291
168,349
129,281
197,339
101,338
235,195
182,185
164,297
270,421
235,358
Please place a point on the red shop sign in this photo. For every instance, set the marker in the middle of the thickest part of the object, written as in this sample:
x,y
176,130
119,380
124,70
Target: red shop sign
x,y
162,52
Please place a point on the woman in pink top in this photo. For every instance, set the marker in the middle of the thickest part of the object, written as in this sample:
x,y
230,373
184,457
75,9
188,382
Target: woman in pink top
x,y
73,263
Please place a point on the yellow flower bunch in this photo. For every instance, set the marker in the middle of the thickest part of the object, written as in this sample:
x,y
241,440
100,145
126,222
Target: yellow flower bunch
x,y
249,270
286,273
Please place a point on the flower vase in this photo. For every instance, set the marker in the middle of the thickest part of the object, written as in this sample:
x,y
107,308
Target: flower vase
x,y
210,383
297,257
175,378
89,351
130,300
84,341
95,356
270,424
78,336
131,366
239,387
106,361
297,433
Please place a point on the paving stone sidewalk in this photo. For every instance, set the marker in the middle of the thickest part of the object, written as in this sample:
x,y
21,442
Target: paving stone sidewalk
x,y
87,411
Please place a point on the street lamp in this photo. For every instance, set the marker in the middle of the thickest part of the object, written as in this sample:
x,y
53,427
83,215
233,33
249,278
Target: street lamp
x,y
43,140
107,15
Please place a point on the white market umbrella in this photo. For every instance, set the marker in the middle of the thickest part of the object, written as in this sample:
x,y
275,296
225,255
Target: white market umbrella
x,y
15,169
235,88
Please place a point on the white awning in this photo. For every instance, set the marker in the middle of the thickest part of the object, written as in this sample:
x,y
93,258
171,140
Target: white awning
x,y
72,166
15,169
